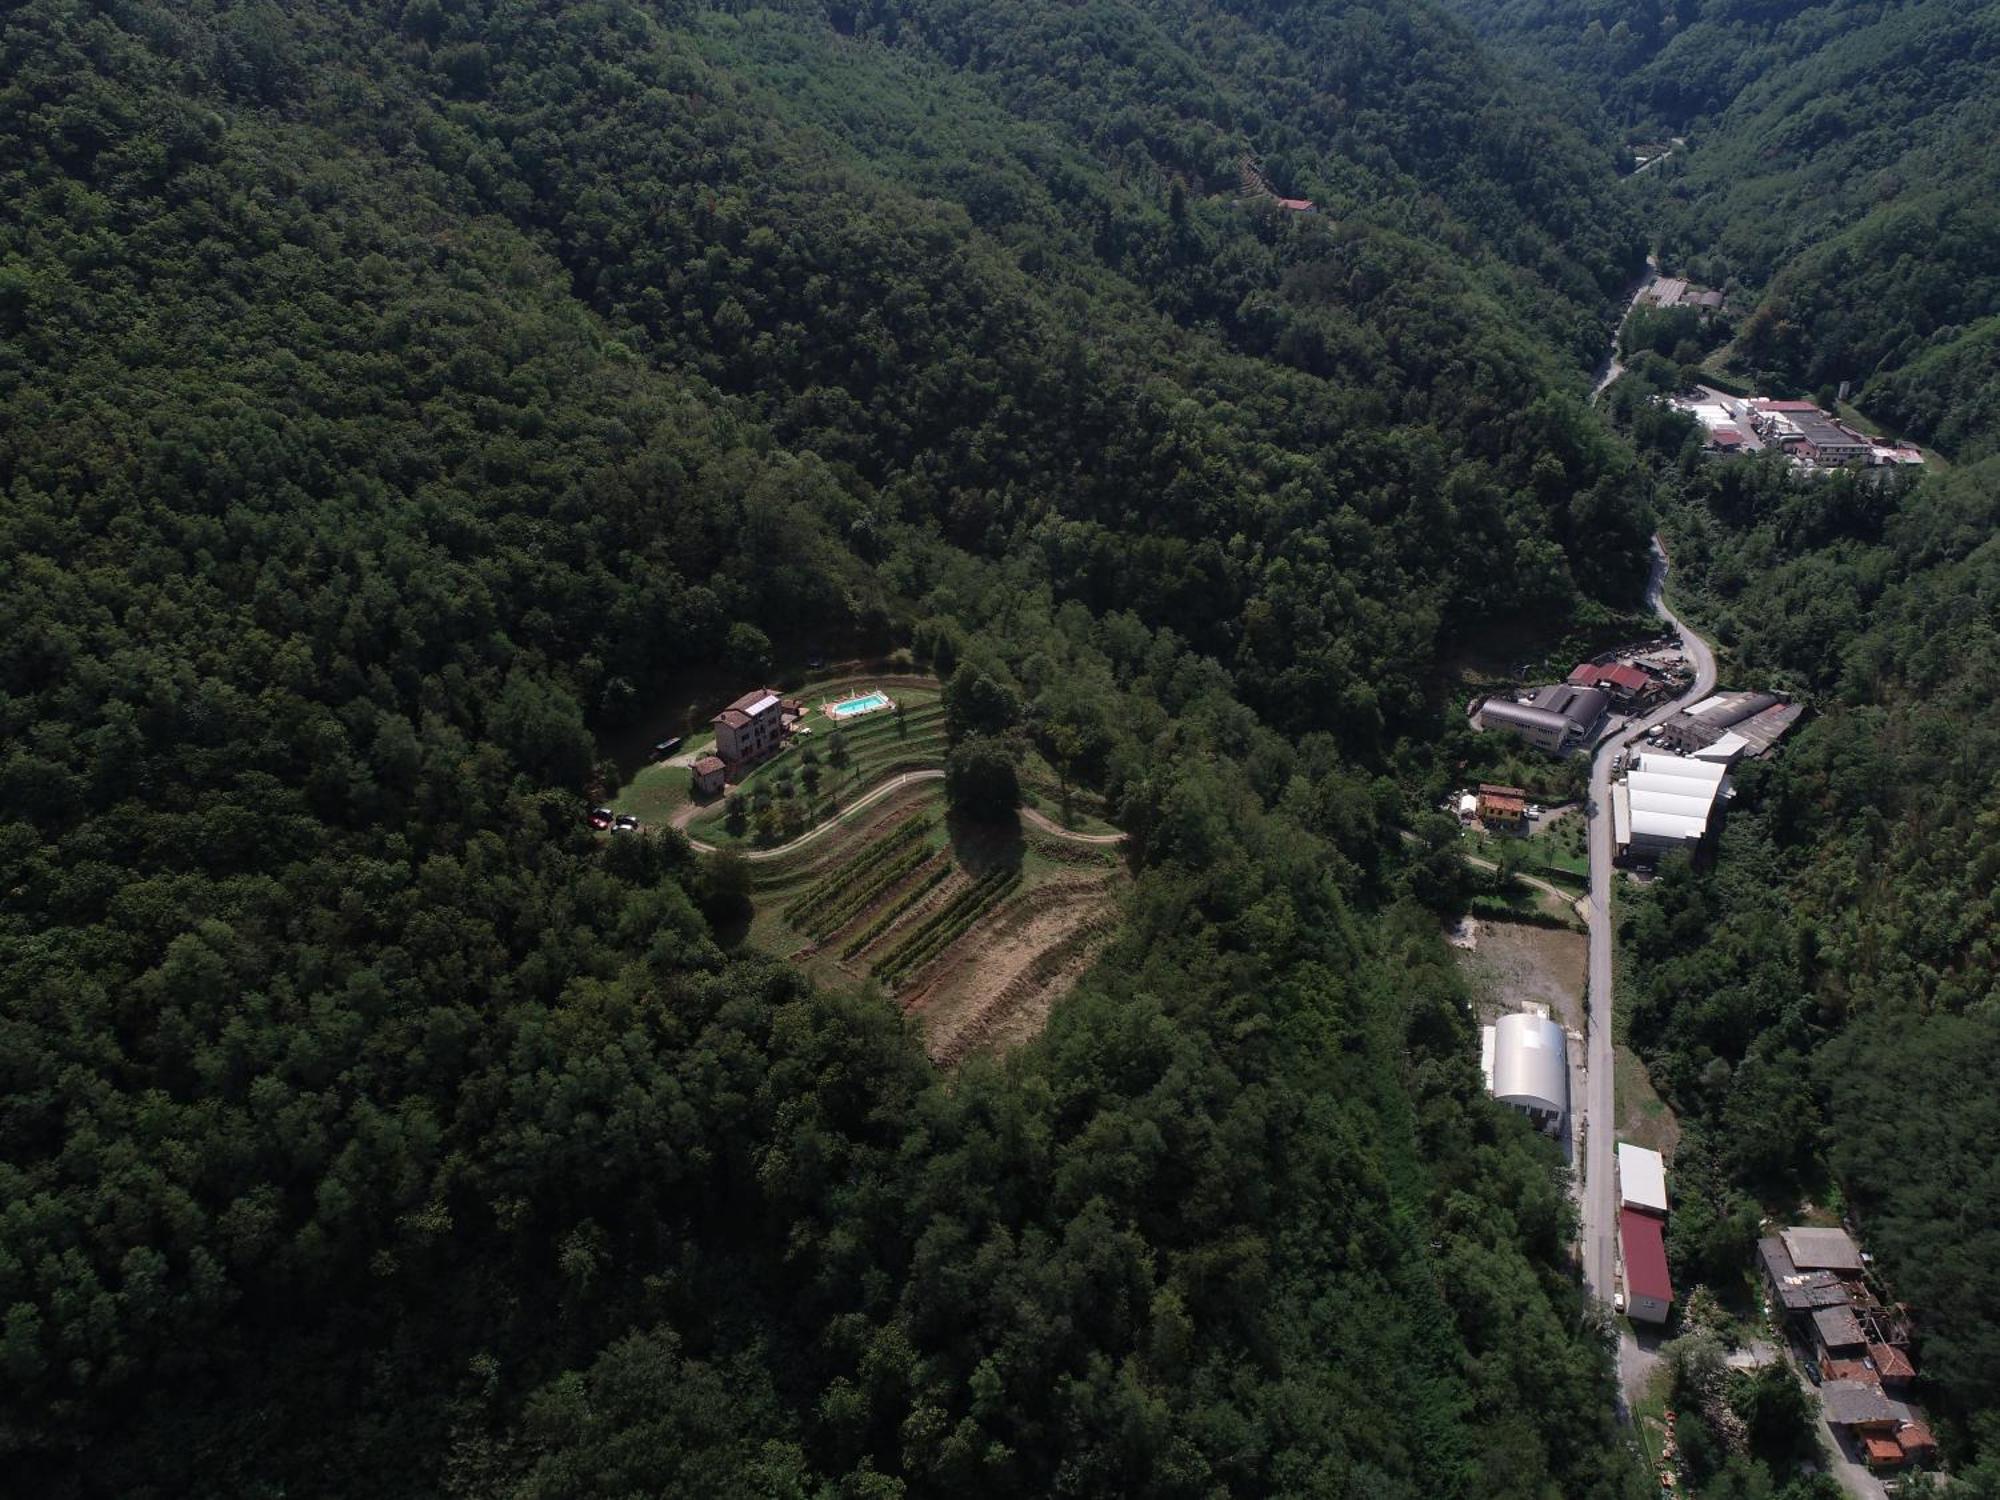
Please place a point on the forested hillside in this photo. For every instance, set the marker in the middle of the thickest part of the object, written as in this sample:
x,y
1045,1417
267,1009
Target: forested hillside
x,y
1839,176
1820,1008
394,397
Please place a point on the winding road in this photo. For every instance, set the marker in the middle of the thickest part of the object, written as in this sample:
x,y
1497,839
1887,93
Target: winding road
x,y
1613,365
1598,1115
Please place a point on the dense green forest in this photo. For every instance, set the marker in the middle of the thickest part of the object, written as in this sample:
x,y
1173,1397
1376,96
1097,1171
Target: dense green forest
x,y
1819,1008
1838,177
395,397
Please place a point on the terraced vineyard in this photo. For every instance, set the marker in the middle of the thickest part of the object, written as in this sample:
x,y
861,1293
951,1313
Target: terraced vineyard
x,y
976,934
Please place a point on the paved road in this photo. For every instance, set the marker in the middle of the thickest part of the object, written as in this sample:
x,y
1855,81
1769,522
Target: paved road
x,y
1613,365
1599,1116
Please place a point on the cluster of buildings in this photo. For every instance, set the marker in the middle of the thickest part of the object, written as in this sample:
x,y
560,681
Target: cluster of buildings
x,y
751,729
1671,795
1728,727
1566,714
1556,718
1642,1233
1676,291
1811,437
1859,1347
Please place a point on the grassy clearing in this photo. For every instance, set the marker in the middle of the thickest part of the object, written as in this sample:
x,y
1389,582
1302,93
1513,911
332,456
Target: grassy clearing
x,y
778,802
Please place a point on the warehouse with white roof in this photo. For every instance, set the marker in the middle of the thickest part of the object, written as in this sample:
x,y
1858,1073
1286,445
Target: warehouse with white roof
x,y
1666,803
1642,1179
1526,1059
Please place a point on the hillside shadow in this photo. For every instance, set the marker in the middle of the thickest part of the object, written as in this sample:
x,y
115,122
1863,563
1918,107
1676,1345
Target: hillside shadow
x,y
984,847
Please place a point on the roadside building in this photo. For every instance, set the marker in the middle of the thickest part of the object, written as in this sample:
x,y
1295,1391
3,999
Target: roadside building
x,y
1649,1290
1837,1334
1860,1407
1503,807
1665,803
1642,1179
1622,681
750,728
1538,726
1295,205
1583,708
708,774
1526,1058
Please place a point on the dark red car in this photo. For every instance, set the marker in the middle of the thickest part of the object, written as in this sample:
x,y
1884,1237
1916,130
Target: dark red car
x,y
600,818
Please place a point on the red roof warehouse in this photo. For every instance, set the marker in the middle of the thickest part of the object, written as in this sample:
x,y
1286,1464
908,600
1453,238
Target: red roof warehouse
x,y
1649,1291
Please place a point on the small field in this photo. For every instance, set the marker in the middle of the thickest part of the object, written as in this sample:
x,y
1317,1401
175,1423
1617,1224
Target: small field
x,y
976,932
1556,850
1513,964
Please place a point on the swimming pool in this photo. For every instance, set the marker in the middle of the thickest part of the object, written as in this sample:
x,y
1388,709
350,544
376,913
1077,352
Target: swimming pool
x,y
850,708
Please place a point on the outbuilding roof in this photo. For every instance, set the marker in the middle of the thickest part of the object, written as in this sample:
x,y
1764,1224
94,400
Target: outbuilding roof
x,y
708,765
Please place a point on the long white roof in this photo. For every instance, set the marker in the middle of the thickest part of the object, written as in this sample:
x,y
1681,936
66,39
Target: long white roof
x,y
1670,799
1642,1178
1530,1061
1674,765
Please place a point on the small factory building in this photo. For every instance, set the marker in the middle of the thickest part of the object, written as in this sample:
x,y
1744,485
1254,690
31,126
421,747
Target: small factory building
x,y
1526,1059
1553,719
1665,803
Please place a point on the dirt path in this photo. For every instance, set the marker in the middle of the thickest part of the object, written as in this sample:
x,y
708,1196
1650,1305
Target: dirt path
x,y
1049,825
994,988
685,815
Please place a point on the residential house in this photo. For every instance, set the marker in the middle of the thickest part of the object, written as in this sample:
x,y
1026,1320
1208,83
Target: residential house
x,y
750,728
708,774
1504,807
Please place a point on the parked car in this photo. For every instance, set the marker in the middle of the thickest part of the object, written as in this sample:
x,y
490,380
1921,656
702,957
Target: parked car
x,y
666,747
600,818
814,663
625,823
1812,1371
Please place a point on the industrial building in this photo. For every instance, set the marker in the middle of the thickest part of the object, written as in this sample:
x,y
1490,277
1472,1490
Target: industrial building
x,y
1553,718
1526,1059
1726,727
1642,1179
1665,803
1649,1289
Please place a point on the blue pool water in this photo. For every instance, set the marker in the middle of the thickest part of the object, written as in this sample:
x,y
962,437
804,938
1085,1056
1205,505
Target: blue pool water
x,y
866,704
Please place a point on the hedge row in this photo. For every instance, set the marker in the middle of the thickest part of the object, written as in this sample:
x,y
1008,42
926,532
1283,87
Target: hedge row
x,y
943,926
836,914
841,878
896,908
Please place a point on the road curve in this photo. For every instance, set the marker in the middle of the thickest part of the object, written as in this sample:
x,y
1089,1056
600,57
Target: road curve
x,y
1599,1117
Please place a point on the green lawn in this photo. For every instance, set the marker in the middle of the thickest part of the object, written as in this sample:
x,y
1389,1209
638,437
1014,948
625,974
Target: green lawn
x,y
1560,849
876,747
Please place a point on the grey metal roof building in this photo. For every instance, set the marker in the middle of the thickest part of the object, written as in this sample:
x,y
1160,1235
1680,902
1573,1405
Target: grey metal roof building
x,y
1821,1249
1850,1401
1797,1291
1530,1064
1837,1327
1538,726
